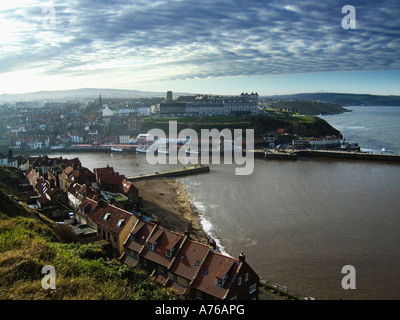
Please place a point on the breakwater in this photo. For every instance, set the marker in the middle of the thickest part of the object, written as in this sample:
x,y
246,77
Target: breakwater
x,y
351,155
185,171
272,154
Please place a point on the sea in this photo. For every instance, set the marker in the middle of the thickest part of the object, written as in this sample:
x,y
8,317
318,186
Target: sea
x,y
301,223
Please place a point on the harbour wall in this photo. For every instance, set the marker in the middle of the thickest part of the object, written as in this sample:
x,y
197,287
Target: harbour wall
x,y
199,168
351,155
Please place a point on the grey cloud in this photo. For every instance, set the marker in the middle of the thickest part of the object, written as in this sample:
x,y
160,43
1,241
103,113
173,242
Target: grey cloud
x,y
213,38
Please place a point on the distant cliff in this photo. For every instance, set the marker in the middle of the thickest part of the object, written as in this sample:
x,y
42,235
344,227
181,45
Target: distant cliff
x,y
348,99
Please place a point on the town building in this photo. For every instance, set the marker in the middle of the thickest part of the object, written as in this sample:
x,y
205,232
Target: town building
x,y
204,105
174,260
111,223
188,267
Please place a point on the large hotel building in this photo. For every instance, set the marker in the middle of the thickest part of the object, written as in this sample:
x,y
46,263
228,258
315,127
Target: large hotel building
x,y
204,105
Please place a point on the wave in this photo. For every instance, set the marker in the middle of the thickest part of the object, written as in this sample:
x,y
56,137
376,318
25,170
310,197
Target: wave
x,y
207,225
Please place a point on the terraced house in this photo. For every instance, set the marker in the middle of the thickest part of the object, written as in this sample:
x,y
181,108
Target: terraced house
x,y
111,223
192,269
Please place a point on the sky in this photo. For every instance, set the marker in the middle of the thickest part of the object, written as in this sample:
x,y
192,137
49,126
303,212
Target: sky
x,y
200,46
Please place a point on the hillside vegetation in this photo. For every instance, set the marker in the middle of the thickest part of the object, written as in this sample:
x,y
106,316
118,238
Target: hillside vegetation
x,y
308,107
28,242
301,125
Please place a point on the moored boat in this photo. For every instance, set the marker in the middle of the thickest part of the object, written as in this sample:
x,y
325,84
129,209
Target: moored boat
x,y
142,149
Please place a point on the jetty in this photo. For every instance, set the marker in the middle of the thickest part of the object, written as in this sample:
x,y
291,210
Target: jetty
x,y
185,171
351,155
280,155
290,154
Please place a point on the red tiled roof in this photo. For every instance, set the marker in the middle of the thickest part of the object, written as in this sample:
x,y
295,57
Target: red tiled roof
x,y
189,259
166,240
104,171
42,200
216,266
115,180
140,233
127,185
113,219
161,279
128,260
32,193
87,207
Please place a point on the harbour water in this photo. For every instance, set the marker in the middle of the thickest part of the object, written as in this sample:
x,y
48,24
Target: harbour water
x,y
374,128
299,222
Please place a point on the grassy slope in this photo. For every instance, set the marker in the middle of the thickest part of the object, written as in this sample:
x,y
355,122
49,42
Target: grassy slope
x,y
28,242
310,107
302,125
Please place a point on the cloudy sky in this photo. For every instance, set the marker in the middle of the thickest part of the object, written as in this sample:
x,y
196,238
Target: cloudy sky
x,y
200,46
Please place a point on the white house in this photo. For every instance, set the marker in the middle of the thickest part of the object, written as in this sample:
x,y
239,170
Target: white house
x,y
144,111
75,137
107,112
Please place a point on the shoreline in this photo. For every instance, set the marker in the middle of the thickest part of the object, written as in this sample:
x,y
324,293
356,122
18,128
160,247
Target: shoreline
x,y
167,200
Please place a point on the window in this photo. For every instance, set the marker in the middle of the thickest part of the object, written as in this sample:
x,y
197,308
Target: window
x,y
169,253
106,216
199,295
120,222
253,288
161,269
246,277
219,282
152,246
197,263
240,281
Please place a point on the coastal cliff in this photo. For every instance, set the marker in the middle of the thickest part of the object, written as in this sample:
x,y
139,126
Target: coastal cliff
x,y
308,126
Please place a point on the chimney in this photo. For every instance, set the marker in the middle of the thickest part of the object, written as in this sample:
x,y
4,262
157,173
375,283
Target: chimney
x,y
213,244
102,203
242,257
187,232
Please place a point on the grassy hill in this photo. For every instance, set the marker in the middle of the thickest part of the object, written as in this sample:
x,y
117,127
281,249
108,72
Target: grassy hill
x,y
28,242
301,125
308,107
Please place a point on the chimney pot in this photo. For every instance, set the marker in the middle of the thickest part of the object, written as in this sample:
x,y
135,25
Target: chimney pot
x,y
213,244
187,232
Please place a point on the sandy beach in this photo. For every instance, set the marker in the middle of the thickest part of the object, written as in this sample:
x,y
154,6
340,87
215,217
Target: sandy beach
x,y
167,200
